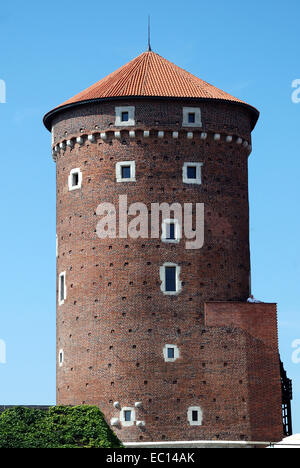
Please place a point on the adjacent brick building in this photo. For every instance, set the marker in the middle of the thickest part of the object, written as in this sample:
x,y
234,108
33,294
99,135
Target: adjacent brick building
x,y
159,336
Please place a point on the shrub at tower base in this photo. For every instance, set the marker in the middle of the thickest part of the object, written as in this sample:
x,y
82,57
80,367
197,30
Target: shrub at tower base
x,y
59,427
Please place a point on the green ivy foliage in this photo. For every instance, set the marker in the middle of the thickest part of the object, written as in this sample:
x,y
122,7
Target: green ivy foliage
x,y
59,427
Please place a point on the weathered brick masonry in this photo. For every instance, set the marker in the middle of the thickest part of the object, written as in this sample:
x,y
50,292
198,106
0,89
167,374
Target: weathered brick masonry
x,y
115,320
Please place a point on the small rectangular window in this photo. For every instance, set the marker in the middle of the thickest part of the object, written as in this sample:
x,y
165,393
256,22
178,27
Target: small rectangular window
x,y
191,117
124,116
170,273
191,172
170,231
127,416
75,179
62,287
195,416
170,353
126,172
171,284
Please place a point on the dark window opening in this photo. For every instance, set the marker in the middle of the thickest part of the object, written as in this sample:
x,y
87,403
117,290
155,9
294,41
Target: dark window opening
x,y
127,415
170,275
171,353
125,117
126,172
191,172
60,358
194,415
62,287
191,117
75,179
171,231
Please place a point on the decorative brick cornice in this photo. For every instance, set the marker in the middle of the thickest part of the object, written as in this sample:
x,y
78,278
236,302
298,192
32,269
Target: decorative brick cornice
x,y
110,134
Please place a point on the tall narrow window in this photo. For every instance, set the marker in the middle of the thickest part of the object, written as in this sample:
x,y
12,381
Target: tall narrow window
x,y
127,415
191,117
125,116
171,231
170,353
195,415
191,172
75,179
170,282
62,290
170,273
60,357
126,173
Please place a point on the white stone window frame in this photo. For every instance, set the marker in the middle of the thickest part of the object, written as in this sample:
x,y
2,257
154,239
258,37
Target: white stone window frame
x,y
119,166
131,118
190,416
185,118
70,179
61,301
177,231
165,353
198,166
162,274
122,416
61,357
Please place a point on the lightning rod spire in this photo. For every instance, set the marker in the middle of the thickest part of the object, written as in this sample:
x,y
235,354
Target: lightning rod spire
x,y
149,33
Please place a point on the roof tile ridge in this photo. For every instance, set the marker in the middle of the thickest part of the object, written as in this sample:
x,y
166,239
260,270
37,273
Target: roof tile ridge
x,y
197,81
112,76
120,69
154,70
131,68
136,86
147,65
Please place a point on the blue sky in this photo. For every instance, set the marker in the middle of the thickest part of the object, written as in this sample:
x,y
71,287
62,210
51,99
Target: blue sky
x,y
48,53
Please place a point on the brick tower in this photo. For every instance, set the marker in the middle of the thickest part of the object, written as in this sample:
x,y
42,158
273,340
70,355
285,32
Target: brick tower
x,y
160,336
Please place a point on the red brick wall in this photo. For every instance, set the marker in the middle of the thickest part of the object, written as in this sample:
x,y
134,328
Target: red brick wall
x,y
258,319
115,321
225,117
259,322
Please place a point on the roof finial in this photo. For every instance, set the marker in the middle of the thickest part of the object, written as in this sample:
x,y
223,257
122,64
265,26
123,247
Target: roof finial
x,y
149,45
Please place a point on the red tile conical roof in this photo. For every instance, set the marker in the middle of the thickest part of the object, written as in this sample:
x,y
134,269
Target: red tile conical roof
x,y
150,75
